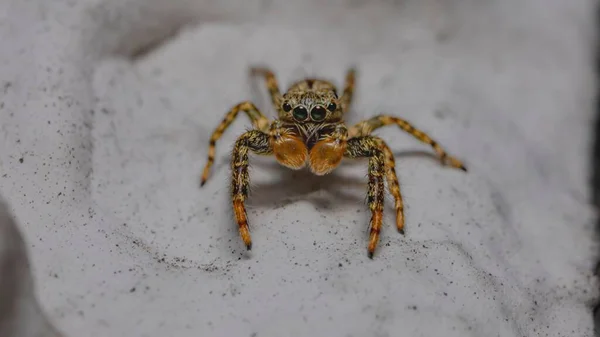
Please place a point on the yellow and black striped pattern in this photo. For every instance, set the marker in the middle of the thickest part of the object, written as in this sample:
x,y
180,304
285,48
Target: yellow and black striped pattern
x,y
252,141
271,82
259,121
393,184
320,143
366,127
369,147
346,99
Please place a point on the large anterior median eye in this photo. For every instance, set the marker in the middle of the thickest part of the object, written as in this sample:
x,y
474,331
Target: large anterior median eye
x,y
318,113
300,113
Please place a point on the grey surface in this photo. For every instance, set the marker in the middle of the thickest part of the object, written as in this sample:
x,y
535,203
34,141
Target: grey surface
x,y
104,133
20,314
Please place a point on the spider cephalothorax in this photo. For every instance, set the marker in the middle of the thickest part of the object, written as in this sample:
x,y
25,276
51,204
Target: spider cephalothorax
x,y
310,131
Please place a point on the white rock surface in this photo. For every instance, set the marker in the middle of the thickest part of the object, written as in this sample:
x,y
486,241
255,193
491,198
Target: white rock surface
x,y
104,134
20,314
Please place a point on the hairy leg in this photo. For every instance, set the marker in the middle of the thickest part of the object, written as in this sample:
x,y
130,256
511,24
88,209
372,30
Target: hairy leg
x,y
252,141
258,120
346,99
272,84
393,185
369,147
366,127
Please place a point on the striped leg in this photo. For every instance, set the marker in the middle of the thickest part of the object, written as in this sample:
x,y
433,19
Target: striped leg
x,y
366,127
272,84
393,185
258,119
369,147
252,141
346,98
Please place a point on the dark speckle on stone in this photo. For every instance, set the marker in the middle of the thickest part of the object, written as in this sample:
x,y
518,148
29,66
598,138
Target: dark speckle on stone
x,y
21,160
132,290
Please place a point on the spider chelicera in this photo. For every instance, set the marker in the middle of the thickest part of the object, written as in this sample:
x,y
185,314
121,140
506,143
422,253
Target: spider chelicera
x,y
310,130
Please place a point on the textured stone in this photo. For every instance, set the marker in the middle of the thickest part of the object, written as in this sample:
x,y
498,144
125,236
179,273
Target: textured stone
x,y
106,111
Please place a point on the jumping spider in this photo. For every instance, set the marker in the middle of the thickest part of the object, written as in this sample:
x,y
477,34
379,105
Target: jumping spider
x,y
310,131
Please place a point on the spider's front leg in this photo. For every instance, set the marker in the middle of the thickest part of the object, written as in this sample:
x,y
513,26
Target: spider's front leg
x,y
252,141
369,147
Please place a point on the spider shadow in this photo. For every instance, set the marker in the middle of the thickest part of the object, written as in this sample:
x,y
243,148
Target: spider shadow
x,y
292,185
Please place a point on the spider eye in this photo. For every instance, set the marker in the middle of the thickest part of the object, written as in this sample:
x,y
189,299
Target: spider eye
x,y
331,107
318,113
300,113
286,107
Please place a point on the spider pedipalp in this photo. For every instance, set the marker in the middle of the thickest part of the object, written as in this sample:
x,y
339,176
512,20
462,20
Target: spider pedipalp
x,y
310,131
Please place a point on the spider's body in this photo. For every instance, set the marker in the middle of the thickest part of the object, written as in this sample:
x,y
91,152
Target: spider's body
x,y
310,131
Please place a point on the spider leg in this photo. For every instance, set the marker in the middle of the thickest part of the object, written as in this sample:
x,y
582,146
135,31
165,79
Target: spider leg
x,y
257,142
258,120
366,127
346,99
272,84
368,147
393,185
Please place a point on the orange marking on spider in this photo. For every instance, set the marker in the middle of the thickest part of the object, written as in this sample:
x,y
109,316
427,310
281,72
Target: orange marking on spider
x,y
310,130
